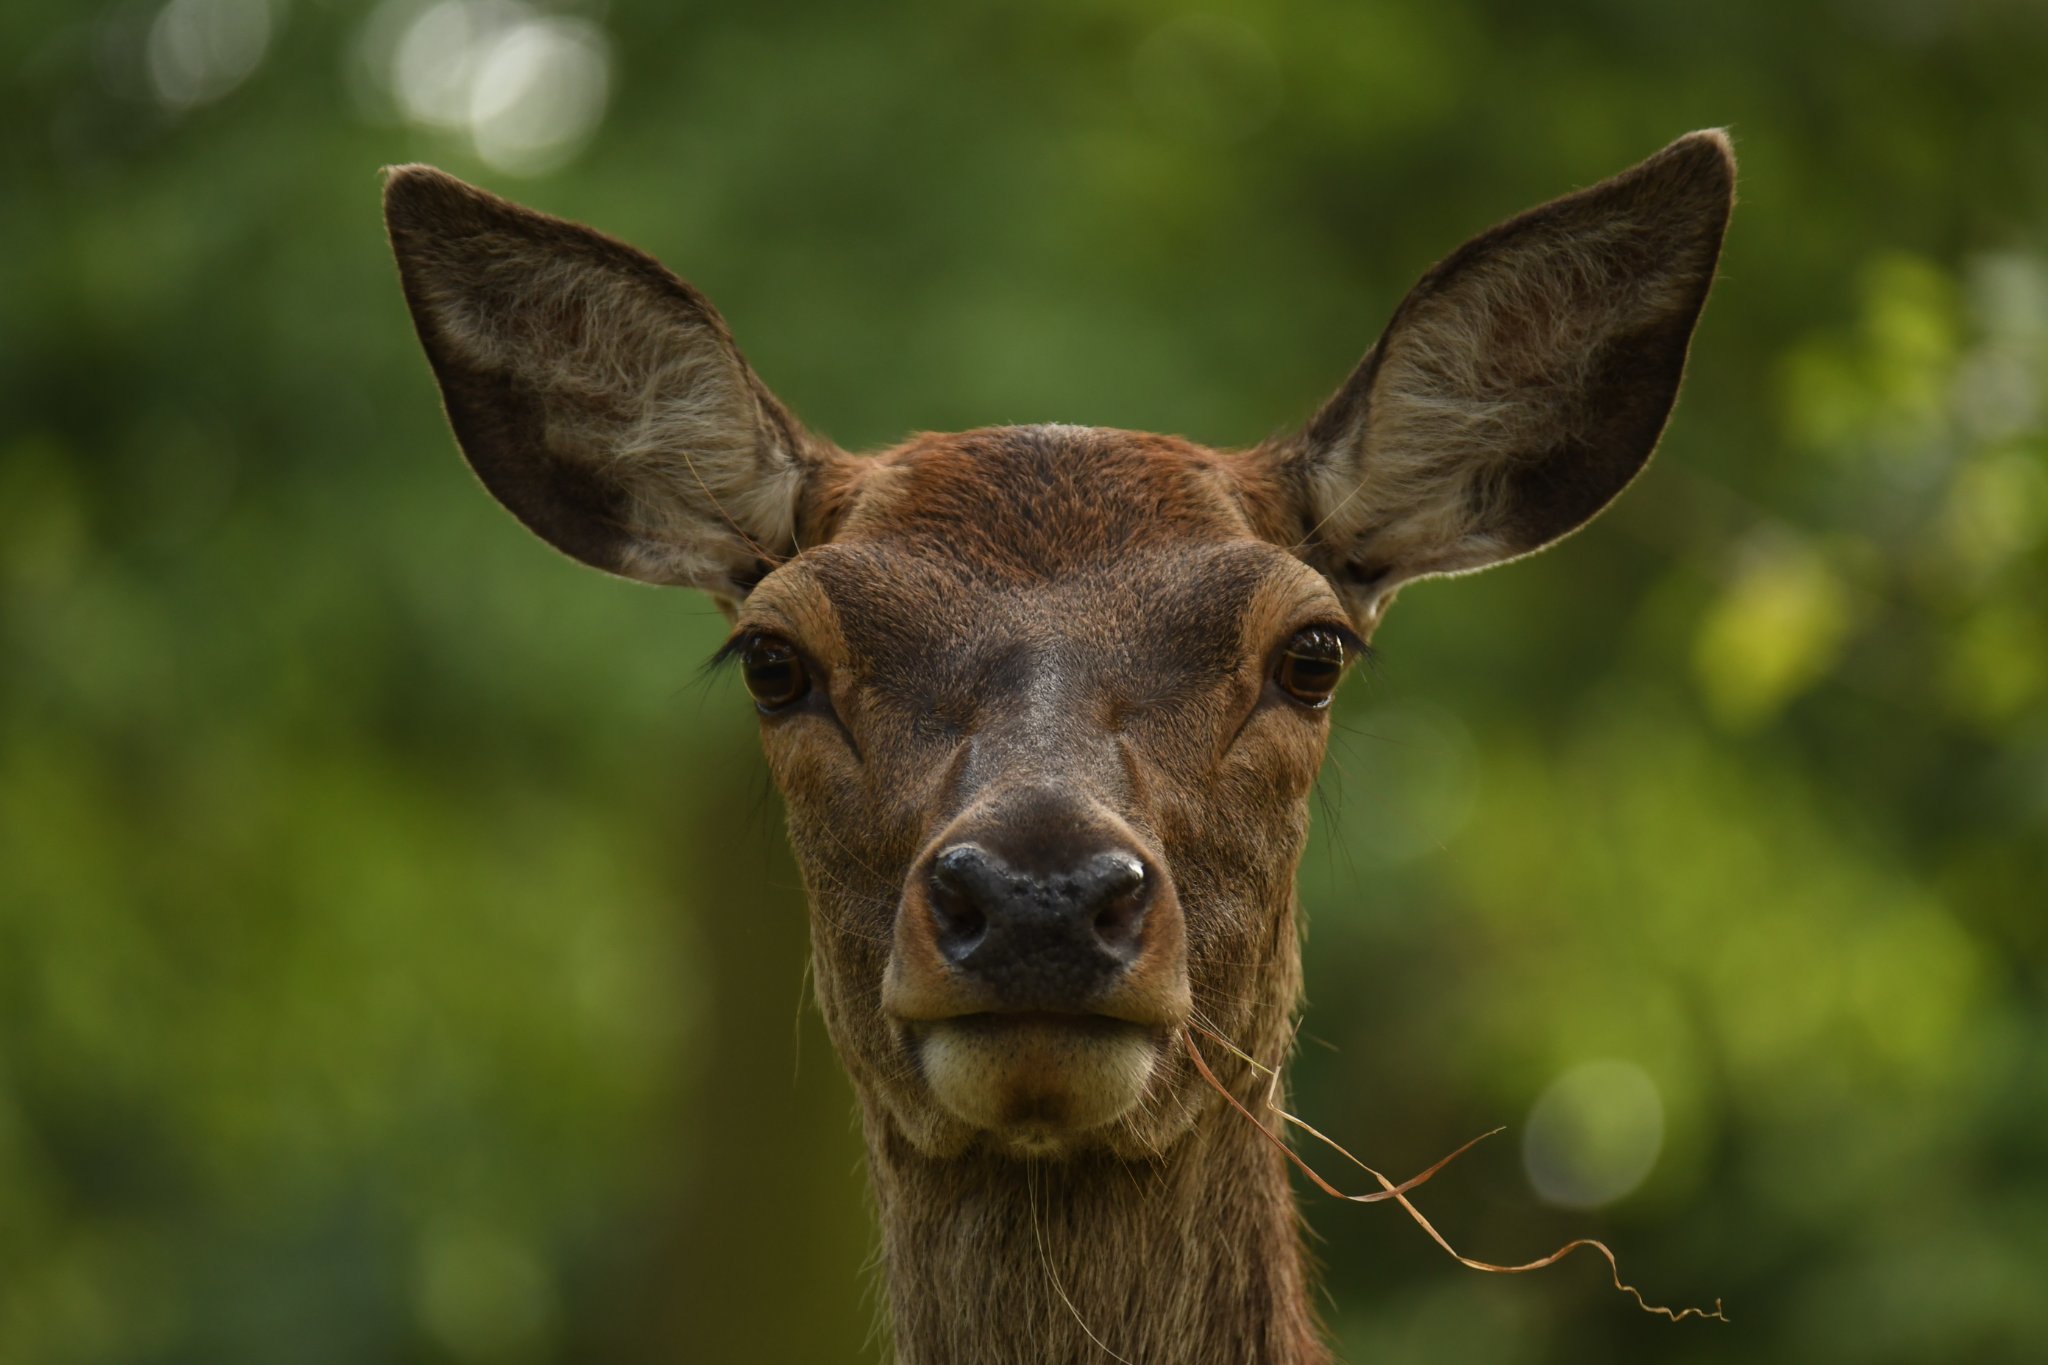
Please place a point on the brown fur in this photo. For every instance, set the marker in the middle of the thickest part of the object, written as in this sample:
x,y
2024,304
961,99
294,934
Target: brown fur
x,y
1059,633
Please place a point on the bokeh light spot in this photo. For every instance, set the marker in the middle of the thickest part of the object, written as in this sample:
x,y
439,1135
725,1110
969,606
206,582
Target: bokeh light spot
x,y
199,50
1776,630
1594,1134
538,94
528,89
431,66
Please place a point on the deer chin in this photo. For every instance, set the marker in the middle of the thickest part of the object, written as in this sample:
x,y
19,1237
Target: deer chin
x,y
1037,1083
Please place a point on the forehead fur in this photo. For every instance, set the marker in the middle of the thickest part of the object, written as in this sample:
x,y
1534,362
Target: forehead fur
x,y
923,613
962,565
1018,504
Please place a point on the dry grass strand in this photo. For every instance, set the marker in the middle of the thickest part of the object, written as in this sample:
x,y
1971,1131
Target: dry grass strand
x,y
1399,1193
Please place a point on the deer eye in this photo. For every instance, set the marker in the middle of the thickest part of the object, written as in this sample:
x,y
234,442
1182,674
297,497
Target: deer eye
x,y
1311,666
774,672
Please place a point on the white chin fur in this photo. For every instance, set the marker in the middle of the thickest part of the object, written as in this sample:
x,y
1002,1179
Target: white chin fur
x,y
1036,1084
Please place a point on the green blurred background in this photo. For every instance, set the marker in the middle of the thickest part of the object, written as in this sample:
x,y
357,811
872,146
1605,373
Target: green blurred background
x,y
398,956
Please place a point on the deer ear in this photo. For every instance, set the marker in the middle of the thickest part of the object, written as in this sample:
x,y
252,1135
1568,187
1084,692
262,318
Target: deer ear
x,y
597,396
1520,385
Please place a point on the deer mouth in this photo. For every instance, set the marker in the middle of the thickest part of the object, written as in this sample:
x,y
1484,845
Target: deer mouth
x,y
1036,1080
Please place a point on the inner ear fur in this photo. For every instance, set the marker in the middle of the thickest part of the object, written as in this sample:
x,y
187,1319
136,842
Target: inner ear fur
x,y
1520,385
597,396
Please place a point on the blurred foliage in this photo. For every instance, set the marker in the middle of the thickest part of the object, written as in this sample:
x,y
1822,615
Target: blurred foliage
x,y
397,957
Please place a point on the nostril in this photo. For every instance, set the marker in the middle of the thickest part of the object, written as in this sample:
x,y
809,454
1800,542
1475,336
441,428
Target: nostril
x,y
1119,874
957,879
961,927
1121,896
957,866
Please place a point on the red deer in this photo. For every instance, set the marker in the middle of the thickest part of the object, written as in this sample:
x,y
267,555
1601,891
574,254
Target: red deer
x,y
1045,705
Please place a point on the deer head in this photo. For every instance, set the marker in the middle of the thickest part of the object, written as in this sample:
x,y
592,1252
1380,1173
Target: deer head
x,y
1046,703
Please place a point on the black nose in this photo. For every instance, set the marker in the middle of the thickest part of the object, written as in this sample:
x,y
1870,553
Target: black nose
x,y
1039,940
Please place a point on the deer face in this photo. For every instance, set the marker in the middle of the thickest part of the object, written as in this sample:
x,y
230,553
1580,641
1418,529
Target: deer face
x,y
1045,703
1045,709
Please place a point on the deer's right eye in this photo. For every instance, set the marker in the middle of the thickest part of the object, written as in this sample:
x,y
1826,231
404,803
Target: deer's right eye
x,y
774,672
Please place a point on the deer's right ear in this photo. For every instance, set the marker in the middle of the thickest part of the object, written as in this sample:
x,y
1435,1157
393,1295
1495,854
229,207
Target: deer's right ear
x,y
597,396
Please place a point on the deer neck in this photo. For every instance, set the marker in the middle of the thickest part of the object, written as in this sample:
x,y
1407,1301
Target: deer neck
x,y
1193,1256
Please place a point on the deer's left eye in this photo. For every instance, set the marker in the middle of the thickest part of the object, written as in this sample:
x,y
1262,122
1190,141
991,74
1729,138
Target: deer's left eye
x,y
774,672
1311,666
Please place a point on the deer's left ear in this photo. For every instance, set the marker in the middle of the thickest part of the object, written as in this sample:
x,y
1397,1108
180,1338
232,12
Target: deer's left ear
x,y
1521,384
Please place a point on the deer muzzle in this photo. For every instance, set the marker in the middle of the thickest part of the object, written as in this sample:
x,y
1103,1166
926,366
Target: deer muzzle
x,y
1038,968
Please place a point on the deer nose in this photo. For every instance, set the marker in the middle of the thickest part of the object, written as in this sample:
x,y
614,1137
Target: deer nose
x,y
1039,939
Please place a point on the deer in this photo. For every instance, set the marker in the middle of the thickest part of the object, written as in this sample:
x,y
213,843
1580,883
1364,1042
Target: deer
x,y
1045,706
